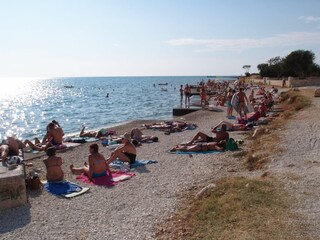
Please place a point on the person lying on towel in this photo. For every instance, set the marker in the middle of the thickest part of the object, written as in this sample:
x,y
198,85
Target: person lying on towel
x,y
201,147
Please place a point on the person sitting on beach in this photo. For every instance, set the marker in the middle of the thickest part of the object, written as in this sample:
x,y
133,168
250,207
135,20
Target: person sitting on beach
x,y
53,166
53,137
97,164
126,153
136,134
199,147
221,135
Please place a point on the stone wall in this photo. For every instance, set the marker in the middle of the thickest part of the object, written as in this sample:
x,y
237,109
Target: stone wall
x,y
290,82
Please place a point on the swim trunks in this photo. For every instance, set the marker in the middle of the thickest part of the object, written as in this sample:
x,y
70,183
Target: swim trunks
x,y
211,139
131,156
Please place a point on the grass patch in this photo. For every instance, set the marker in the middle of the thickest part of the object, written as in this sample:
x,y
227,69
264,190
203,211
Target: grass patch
x,y
240,154
238,208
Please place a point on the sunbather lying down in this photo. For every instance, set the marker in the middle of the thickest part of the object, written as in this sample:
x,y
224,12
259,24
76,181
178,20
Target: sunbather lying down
x,y
231,126
200,147
102,133
137,134
170,125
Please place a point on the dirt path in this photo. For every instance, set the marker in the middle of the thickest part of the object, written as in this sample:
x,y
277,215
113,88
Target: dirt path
x,y
298,165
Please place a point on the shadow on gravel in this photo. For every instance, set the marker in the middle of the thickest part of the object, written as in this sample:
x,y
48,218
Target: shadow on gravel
x,y
14,218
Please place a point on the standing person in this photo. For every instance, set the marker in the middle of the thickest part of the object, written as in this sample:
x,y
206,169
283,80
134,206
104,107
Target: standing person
x,y
228,102
251,97
97,164
243,100
181,94
53,166
203,97
126,153
187,93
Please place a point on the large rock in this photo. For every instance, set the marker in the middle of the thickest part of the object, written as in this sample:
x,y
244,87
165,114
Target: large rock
x,y
317,93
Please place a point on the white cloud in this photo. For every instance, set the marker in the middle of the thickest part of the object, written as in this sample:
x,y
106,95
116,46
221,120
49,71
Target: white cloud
x,y
309,18
287,39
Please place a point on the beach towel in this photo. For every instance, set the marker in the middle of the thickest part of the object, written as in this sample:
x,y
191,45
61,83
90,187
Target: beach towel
x,y
120,165
64,188
205,152
82,139
107,181
231,117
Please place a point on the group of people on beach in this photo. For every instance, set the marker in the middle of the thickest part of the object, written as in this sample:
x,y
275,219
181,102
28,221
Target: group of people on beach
x,y
98,165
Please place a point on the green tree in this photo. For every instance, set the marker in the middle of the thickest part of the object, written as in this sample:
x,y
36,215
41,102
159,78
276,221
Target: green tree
x,y
299,63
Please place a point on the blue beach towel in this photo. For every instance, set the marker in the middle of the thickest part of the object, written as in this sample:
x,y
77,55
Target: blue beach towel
x,y
119,164
64,188
231,117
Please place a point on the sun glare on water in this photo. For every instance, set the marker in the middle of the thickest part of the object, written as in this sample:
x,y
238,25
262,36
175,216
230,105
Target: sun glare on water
x,y
15,86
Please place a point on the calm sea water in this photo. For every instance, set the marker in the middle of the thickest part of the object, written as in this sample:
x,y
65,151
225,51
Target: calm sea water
x,y
28,105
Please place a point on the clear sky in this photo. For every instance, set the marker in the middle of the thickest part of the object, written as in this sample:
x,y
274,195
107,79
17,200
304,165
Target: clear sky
x,y
66,38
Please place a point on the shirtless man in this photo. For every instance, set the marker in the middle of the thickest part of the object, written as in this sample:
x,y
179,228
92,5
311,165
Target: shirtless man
x,y
54,137
126,153
242,102
221,135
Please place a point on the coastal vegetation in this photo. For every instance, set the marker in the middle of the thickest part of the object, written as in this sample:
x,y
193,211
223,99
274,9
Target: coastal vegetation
x,y
299,63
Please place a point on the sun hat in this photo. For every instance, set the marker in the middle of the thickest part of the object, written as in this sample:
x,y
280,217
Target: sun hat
x,y
126,136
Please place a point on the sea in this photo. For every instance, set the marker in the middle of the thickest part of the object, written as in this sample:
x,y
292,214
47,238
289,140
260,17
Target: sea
x,y
27,105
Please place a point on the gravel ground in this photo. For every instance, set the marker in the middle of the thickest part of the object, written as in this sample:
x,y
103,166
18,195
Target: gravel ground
x,y
133,209
298,166
130,210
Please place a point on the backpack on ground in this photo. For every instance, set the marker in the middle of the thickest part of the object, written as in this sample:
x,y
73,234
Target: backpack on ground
x,y
231,145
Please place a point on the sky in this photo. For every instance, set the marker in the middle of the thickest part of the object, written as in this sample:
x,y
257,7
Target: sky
x,y
74,38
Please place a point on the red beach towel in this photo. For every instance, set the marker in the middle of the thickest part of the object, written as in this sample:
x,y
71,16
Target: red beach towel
x,y
107,181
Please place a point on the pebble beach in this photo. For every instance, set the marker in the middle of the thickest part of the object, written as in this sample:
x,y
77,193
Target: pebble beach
x,y
135,208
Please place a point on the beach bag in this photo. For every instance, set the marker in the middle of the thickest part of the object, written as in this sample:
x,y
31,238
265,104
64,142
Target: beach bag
x,y
33,183
231,145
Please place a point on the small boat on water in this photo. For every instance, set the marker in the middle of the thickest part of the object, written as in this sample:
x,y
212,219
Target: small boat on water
x,y
160,84
164,89
68,86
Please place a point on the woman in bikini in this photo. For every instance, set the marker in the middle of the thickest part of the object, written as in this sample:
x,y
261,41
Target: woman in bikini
x,y
97,164
53,166
126,153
